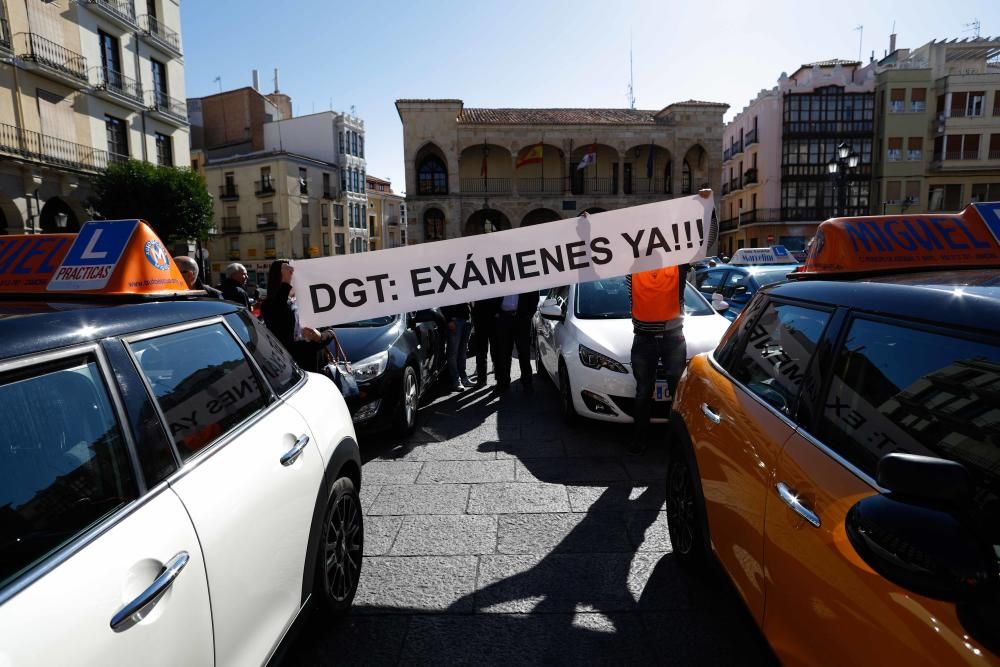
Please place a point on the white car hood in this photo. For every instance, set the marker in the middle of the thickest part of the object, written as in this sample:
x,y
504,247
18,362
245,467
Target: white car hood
x,y
614,337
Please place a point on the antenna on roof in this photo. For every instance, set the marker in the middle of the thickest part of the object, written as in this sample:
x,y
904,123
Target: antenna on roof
x,y
631,82
860,29
973,27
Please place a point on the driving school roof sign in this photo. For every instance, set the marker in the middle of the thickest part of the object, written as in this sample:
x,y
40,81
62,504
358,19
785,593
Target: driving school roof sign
x,y
906,242
112,257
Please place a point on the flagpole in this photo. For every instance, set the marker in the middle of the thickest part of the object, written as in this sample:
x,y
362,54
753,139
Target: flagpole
x,y
543,164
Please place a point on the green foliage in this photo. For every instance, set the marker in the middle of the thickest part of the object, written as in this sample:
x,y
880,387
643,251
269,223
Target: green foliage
x,y
173,201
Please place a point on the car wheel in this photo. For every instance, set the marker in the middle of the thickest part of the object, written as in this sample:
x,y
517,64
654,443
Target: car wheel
x,y
341,548
566,395
406,414
683,521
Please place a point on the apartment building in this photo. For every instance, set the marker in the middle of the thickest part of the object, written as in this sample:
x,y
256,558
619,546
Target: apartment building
x,y
937,126
469,170
386,215
84,83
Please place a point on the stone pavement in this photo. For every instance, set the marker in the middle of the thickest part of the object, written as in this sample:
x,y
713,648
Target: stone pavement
x,y
496,534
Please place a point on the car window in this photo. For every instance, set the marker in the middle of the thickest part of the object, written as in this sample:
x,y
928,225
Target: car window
x,y
603,299
771,275
695,303
202,382
64,465
272,357
895,388
710,281
777,352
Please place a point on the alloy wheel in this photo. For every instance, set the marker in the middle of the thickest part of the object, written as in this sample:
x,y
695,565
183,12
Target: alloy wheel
x,y
680,508
410,397
343,549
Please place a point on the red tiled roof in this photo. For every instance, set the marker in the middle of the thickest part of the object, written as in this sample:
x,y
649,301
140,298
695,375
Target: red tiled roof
x,y
832,63
556,117
697,103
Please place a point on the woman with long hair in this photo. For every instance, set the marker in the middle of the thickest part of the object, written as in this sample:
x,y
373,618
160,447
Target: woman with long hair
x,y
281,315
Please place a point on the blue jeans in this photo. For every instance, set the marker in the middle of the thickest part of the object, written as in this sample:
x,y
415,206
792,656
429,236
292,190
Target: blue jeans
x,y
668,349
458,343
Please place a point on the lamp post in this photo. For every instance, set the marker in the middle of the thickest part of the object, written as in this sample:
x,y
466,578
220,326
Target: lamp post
x,y
837,167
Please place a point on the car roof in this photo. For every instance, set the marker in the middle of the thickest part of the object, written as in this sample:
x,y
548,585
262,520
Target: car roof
x,y
966,299
30,326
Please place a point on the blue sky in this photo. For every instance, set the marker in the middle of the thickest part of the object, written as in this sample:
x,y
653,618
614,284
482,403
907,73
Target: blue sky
x,y
539,53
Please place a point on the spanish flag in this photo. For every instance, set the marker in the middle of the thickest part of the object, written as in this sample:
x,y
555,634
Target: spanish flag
x,y
530,155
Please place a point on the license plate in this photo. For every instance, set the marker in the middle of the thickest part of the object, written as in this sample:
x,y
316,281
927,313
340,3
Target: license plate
x,y
661,391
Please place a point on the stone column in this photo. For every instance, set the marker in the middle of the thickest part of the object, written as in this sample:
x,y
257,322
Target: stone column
x,y
622,156
513,170
568,180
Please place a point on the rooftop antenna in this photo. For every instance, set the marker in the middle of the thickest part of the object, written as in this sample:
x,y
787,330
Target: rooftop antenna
x,y
218,80
973,27
631,83
861,33
354,111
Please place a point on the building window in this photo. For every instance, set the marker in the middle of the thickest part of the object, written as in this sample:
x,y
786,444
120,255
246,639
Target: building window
x,y
338,215
434,225
994,153
117,133
269,242
159,82
986,192
895,149
324,215
686,178
164,150
234,247
946,197
265,179
303,181
343,180
897,100
354,143
915,148
111,63
305,215
918,99
974,106
912,193
306,246
326,244
326,185
432,177
341,137
338,240
892,190
361,145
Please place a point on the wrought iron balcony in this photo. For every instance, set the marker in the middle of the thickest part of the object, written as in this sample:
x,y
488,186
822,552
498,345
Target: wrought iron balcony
x,y
539,185
264,188
737,148
750,176
118,84
750,138
160,35
4,34
122,11
45,149
52,57
169,107
229,191
594,186
735,184
231,224
492,186
648,186
267,221
725,188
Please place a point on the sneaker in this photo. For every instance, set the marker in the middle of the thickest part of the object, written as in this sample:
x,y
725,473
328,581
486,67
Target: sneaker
x,y
467,383
457,387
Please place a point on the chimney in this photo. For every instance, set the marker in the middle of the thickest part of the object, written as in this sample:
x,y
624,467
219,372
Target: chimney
x,y
256,81
276,89
892,42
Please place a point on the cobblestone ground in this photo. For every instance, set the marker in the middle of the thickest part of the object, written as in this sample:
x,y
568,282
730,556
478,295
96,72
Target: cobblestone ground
x,y
497,534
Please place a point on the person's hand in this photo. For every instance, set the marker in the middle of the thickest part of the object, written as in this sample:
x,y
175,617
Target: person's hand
x,y
286,273
311,335
451,326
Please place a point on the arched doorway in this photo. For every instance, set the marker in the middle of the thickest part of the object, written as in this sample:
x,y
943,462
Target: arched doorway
x,y
10,218
432,171
538,216
57,217
434,225
486,220
599,175
647,170
695,170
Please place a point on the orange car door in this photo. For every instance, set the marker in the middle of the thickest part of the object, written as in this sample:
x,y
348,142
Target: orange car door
x,y
741,419
893,388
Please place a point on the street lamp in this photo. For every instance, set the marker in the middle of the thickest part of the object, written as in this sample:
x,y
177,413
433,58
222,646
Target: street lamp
x,y
61,220
838,168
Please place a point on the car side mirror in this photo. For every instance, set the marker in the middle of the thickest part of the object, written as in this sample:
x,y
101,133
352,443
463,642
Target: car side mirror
x,y
551,310
916,535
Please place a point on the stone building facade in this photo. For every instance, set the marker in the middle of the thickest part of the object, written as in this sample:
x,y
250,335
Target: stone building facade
x,y
469,170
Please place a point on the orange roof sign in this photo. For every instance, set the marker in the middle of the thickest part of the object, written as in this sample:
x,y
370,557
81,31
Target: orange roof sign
x,y
113,257
906,242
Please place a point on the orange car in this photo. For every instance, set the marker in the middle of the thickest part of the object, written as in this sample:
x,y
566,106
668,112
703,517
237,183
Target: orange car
x,y
839,452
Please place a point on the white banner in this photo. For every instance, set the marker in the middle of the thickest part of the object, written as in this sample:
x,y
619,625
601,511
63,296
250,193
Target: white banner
x,y
335,290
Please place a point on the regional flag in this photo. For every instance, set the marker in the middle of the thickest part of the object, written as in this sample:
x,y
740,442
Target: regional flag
x,y
589,158
531,155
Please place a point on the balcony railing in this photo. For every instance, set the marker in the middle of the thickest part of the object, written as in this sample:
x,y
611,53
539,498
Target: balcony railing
x,y
51,150
594,186
539,185
750,176
116,82
648,186
958,155
4,34
231,224
160,34
750,138
725,188
329,193
123,10
737,148
39,50
835,127
169,106
229,191
263,188
735,184
994,155
267,220
491,186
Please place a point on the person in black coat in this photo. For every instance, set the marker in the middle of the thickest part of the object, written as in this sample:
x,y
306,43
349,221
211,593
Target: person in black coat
x,y
514,331
459,329
281,316
232,285
189,269
484,327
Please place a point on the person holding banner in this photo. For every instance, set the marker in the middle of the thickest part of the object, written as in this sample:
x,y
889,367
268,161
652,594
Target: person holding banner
x,y
280,313
657,299
514,330
459,330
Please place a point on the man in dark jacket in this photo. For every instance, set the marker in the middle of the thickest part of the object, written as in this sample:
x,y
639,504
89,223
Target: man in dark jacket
x,y
514,330
484,325
232,285
189,269
459,329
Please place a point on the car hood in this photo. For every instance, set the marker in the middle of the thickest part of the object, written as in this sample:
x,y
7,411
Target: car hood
x,y
362,342
614,337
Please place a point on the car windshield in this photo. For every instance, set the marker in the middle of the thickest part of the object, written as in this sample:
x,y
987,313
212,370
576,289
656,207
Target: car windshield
x,y
369,323
771,274
607,299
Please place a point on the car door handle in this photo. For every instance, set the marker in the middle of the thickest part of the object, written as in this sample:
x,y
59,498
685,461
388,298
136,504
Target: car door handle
x,y
712,417
792,500
153,593
289,457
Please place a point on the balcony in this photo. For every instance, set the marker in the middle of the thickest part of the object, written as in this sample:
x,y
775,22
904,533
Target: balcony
x,y
647,186
595,186
765,215
994,155
267,221
735,184
169,109
264,188
231,224
47,150
118,88
541,186
725,188
329,193
159,35
4,34
486,186
121,12
750,176
736,149
324,222
229,192
52,60
727,155
305,219
750,138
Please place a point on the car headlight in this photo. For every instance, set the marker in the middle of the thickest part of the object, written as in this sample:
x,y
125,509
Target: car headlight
x,y
371,367
593,359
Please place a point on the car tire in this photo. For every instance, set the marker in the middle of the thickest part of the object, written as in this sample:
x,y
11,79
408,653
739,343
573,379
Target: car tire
x,y
684,521
566,395
340,550
406,413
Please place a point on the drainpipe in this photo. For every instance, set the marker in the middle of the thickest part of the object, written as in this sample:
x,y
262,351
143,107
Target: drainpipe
x,y
138,82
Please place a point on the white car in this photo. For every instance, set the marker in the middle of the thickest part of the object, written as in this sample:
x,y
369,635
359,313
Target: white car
x,y
583,342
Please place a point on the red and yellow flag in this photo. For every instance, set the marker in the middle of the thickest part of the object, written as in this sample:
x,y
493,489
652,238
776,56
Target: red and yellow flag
x,y
530,155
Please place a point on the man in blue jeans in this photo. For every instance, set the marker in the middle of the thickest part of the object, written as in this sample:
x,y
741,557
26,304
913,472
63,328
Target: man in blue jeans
x,y
459,330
